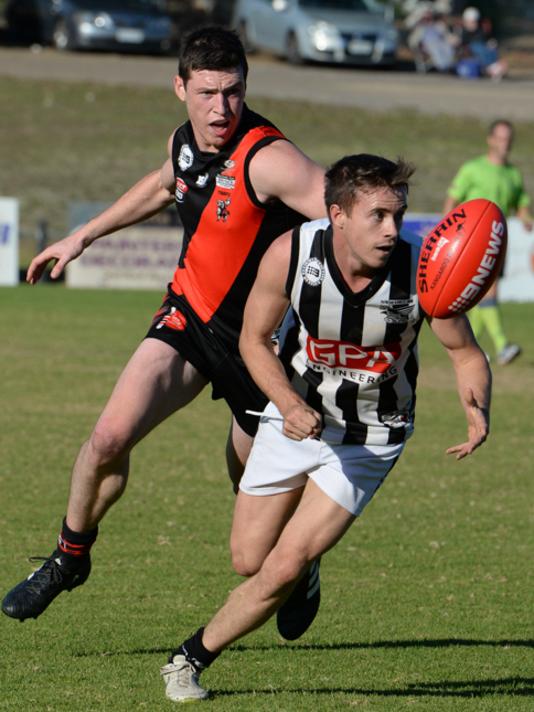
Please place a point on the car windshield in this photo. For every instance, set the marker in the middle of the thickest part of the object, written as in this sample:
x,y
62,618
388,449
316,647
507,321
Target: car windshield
x,y
353,5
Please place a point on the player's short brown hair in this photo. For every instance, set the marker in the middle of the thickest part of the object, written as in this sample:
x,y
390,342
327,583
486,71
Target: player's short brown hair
x,y
363,172
211,47
500,122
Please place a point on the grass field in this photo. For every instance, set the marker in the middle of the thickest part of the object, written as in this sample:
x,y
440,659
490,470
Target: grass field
x,y
64,142
427,601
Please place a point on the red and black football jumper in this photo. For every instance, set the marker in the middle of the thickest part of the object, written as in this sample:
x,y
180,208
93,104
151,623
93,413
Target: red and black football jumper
x,y
226,233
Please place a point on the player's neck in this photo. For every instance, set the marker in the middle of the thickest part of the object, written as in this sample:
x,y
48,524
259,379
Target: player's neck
x,y
355,274
354,271
497,159
356,282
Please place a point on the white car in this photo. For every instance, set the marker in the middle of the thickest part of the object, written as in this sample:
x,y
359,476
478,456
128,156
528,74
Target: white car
x,y
339,31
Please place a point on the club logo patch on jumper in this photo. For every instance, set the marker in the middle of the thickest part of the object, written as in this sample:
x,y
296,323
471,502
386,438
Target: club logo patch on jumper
x,y
185,158
224,181
397,419
173,320
222,209
313,271
397,311
202,179
181,190
229,163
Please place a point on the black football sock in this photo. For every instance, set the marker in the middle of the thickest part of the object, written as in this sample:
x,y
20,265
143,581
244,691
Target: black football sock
x,y
74,545
195,653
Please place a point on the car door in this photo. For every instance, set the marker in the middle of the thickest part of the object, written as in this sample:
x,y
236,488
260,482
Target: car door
x,y
275,28
250,18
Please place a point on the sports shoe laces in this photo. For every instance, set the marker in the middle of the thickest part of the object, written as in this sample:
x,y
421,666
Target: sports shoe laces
x,y
49,572
185,672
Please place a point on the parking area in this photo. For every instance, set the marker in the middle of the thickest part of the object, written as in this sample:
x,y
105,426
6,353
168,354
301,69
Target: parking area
x,y
374,89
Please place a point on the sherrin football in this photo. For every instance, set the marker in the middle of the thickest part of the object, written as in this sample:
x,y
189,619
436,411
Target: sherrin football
x,y
460,258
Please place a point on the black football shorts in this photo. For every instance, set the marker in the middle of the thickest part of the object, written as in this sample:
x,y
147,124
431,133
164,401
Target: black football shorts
x,y
215,357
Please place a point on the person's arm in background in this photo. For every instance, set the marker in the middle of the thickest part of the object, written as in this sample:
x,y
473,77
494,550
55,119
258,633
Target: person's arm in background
x,y
523,209
526,218
457,190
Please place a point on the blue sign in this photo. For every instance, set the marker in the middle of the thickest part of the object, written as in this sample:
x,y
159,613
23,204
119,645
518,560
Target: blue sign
x,y
5,233
420,223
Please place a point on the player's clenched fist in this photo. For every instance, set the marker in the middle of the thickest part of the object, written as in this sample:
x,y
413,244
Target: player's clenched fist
x,y
301,421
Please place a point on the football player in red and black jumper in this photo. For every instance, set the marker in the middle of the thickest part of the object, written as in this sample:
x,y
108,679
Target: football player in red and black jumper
x,y
237,183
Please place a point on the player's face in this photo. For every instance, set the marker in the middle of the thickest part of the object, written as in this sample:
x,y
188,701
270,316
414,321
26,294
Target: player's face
x,y
500,142
214,101
365,237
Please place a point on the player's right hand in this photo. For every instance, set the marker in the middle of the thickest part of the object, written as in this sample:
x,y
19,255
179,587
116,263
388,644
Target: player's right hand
x,y
62,252
301,421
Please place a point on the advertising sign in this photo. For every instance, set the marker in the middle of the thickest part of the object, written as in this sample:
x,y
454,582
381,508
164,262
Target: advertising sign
x,y
9,242
143,256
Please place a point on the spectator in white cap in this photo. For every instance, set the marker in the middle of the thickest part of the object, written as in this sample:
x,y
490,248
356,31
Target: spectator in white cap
x,y
477,43
471,17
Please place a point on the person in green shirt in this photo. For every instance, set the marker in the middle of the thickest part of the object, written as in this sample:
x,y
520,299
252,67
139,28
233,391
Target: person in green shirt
x,y
493,177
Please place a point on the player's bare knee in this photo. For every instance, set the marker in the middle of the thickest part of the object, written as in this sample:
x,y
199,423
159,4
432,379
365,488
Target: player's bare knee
x,y
244,561
283,570
107,444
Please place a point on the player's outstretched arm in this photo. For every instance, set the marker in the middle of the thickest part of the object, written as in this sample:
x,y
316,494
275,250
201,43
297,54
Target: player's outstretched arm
x,y
473,377
147,197
266,305
280,170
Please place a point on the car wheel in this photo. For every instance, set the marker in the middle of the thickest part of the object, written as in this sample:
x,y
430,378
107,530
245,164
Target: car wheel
x,y
62,37
244,36
293,54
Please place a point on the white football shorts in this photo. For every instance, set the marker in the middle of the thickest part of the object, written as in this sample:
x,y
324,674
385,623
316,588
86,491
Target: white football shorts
x,y
348,474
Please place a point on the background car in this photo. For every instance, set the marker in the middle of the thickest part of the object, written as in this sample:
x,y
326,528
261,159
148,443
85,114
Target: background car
x,y
120,25
341,31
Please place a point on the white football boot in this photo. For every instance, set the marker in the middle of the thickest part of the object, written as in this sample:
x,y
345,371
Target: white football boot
x,y
181,681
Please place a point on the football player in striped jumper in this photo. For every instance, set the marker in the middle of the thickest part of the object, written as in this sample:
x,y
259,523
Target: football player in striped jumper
x,y
342,393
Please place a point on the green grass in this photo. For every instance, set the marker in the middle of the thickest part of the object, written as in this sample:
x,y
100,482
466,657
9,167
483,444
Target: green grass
x,y
427,601
64,142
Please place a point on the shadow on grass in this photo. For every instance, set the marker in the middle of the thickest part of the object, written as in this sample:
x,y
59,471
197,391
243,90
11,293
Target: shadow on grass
x,y
506,686
373,645
394,644
514,686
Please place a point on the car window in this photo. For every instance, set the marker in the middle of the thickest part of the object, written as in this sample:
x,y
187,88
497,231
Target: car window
x,y
354,5
119,4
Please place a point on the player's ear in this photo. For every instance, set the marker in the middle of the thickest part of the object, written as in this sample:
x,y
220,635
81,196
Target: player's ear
x,y
179,87
337,216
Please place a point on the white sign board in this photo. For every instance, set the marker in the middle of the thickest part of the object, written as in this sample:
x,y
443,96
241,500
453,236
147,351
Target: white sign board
x,y
9,242
143,256
134,258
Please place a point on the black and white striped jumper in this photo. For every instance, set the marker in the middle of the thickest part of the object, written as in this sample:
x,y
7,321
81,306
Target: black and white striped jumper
x,y
353,356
